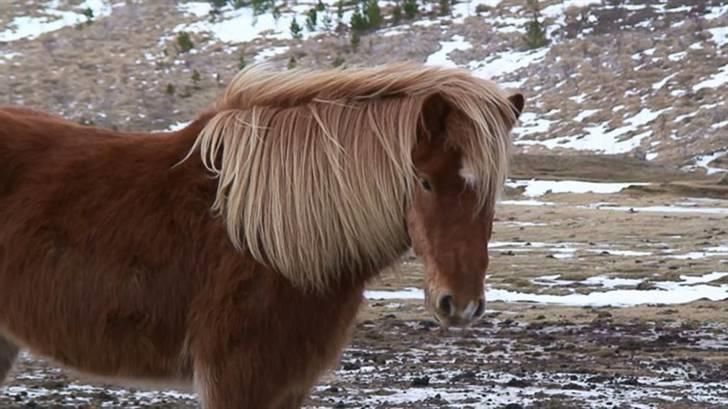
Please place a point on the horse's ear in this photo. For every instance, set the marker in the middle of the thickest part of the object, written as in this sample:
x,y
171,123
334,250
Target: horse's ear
x,y
434,115
517,103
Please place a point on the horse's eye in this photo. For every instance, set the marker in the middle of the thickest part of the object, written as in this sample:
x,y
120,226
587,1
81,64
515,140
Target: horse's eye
x,y
426,185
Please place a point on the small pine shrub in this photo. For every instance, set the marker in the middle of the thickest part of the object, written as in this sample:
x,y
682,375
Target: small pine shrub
x,y
184,42
368,17
358,22
89,13
373,13
296,30
241,62
338,61
320,6
292,63
535,33
311,20
169,90
411,9
196,78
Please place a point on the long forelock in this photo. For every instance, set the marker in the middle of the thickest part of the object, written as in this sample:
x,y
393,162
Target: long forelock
x,y
315,170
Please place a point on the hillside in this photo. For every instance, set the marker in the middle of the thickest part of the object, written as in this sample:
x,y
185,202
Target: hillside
x,y
645,79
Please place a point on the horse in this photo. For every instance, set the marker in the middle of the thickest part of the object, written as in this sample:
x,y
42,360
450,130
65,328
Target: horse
x,y
231,256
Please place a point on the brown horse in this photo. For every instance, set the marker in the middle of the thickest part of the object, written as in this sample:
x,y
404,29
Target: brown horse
x,y
232,255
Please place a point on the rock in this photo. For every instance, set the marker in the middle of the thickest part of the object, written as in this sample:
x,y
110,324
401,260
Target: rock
x,y
518,383
420,381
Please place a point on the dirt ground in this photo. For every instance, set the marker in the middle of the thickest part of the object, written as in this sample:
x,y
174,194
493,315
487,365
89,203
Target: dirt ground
x,y
521,355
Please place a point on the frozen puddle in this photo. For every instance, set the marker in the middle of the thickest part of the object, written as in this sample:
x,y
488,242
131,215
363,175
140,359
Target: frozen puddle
x,y
568,250
657,209
524,203
535,188
689,288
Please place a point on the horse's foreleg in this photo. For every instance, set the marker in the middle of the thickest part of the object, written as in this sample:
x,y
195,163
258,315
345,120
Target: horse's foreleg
x,y
8,353
236,384
232,385
294,400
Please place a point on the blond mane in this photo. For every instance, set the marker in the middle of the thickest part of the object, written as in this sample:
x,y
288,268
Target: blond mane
x,y
314,168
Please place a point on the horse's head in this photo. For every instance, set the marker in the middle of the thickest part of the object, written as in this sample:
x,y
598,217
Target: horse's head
x,y
448,222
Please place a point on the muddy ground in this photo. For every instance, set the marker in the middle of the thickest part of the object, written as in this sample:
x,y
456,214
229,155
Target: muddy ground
x,y
521,355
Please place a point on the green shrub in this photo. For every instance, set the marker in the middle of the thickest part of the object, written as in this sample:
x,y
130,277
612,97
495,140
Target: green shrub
x,y
411,9
373,13
89,13
535,33
296,30
311,20
196,79
368,17
184,42
338,61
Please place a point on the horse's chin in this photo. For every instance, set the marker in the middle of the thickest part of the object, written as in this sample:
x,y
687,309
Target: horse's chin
x,y
446,325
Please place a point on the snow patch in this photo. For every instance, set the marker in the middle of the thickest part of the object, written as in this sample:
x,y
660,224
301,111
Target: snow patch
x,y
441,57
535,188
720,35
506,62
25,27
716,80
600,139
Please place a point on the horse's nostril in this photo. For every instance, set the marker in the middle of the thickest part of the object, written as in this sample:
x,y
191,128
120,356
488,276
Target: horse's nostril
x,y
481,308
445,305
